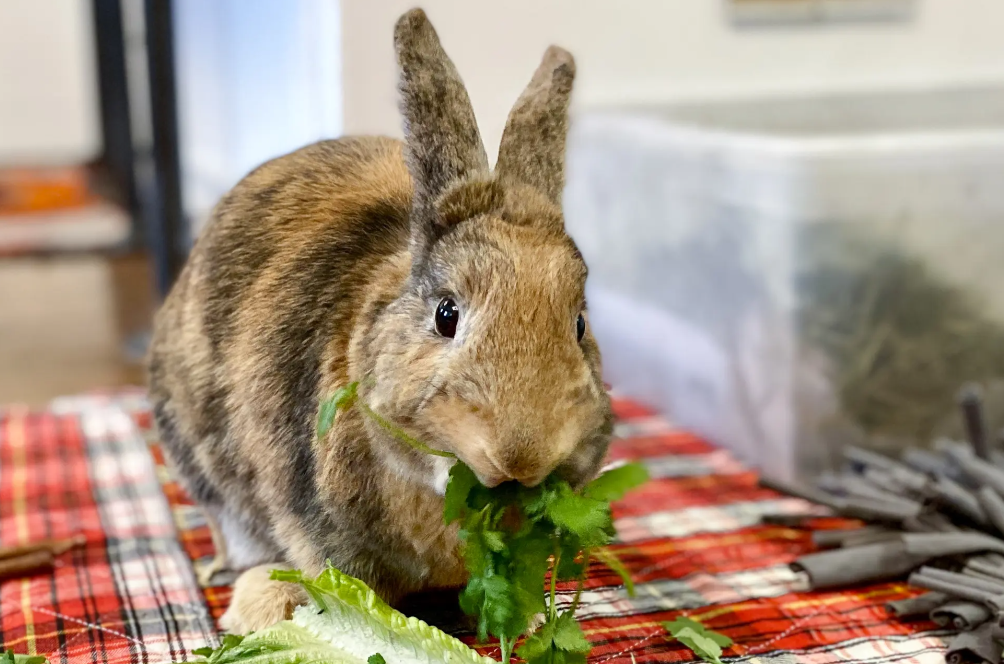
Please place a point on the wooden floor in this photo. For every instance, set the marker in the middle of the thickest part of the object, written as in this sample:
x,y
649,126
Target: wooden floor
x,y
59,330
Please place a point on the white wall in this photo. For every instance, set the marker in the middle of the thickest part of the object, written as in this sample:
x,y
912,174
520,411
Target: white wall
x,y
49,109
649,51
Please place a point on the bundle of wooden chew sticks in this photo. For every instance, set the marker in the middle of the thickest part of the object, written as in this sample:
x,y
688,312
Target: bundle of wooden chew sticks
x,y
933,516
30,559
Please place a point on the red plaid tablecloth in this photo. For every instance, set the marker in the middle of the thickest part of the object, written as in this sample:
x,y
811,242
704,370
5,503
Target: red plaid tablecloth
x,y
692,538
129,595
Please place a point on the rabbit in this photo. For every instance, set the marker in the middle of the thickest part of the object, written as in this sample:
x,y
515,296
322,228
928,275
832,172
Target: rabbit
x,y
449,290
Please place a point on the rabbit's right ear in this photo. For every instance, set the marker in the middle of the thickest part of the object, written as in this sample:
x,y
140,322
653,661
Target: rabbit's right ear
x,y
442,142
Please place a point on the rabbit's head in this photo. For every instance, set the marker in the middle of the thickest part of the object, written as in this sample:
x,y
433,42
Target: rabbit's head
x,y
487,351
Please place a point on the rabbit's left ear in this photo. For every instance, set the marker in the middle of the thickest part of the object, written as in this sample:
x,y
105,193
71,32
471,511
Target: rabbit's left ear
x,y
533,142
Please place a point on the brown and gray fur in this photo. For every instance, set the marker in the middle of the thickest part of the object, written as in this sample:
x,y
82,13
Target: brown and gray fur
x,y
325,266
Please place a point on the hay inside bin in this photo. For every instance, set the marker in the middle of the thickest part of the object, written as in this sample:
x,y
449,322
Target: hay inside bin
x,y
898,340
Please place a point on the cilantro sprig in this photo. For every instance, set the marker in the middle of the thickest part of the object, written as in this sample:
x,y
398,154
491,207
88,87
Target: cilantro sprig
x,y
519,543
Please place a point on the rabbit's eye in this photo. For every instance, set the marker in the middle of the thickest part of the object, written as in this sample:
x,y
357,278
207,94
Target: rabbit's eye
x,y
447,317
580,327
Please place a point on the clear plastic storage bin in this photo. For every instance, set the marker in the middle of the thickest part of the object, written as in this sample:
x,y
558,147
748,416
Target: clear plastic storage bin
x,y
790,276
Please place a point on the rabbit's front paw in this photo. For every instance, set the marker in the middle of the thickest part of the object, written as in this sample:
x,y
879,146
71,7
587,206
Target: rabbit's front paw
x,y
535,623
259,602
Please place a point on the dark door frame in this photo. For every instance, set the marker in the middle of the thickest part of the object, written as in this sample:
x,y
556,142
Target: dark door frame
x,y
147,183
168,231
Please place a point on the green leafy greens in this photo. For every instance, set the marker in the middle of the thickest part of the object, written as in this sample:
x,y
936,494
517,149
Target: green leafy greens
x,y
516,537
705,643
345,622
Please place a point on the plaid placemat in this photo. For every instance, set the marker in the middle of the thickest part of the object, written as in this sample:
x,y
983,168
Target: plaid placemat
x,y
129,595
692,539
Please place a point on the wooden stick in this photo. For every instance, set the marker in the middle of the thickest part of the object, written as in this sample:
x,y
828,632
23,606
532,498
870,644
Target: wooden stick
x,y
26,564
54,547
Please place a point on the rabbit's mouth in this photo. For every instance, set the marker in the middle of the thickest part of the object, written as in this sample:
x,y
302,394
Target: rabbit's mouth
x,y
494,479
496,473
490,481
487,472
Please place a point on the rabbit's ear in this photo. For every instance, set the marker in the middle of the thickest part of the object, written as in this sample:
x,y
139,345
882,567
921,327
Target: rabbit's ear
x,y
533,142
441,135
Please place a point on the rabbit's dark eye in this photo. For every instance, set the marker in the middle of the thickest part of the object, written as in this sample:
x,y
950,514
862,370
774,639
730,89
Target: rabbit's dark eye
x,y
447,317
580,327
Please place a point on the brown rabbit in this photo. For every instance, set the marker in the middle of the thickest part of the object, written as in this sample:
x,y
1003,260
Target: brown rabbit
x,y
450,290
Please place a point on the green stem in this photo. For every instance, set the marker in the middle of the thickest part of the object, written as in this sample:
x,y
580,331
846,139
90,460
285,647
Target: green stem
x,y
582,580
400,434
553,609
507,645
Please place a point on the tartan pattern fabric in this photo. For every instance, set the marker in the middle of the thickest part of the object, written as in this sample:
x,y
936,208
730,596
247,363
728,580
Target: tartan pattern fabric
x,y
692,539
129,595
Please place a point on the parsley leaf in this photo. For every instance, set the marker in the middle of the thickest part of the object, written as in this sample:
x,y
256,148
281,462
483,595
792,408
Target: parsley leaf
x,y
581,516
570,568
8,657
458,488
702,646
531,556
559,640
376,659
705,643
538,644
568,634
494,541
610,559
613,484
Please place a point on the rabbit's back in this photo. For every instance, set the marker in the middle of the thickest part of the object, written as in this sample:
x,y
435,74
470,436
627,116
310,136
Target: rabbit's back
x,y
262,310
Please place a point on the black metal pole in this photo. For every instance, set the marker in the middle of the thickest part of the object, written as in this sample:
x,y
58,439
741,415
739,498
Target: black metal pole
x,y
169,236
118,157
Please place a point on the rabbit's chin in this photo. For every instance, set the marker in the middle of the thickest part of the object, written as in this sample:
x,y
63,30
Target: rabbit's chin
x,y
433,473
441,474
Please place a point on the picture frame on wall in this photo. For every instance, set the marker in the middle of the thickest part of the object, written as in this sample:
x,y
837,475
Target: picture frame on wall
x,y
771,12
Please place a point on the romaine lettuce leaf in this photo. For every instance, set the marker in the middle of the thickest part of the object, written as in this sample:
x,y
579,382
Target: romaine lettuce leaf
x,y
345,624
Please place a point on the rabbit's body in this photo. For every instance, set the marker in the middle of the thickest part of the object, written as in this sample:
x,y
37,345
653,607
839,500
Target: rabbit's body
x,y
451,292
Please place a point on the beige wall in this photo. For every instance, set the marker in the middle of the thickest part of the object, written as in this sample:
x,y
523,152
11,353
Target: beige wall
x,y
629,51
48,86
647,51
